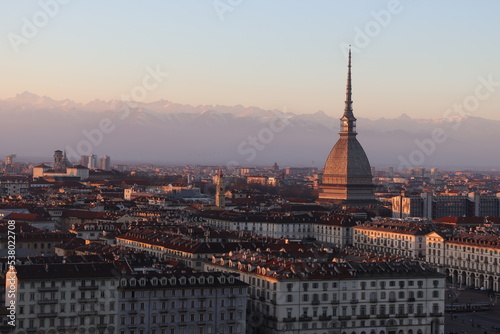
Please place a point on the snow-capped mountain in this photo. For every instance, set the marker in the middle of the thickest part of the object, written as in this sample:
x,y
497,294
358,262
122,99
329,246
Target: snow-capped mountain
x,y
168,132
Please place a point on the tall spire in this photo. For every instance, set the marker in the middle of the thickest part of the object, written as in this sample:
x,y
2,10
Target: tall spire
x,y
348,94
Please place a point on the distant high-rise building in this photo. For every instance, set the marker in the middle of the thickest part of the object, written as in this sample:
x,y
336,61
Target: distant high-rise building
x,y
105,163
390,171
347,177
84,160
275,167
92,161
9,159
220,197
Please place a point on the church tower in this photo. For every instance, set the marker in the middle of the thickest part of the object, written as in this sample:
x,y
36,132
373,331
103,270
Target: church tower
x,y
347,177
220,197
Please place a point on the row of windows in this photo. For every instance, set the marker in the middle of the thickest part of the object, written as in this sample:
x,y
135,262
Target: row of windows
x,y
401,295
69,321
63,284
355,310
183,304
181,293
63,294
61,308
172,318
363,285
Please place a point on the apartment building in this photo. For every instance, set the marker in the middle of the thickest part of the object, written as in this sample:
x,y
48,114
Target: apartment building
x,y
470,260
195,303
397,238
338,297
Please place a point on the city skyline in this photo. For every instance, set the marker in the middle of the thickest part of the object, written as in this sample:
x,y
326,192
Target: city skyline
x,y
417,58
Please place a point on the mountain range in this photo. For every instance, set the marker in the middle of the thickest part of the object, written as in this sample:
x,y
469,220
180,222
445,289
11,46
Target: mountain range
x,y
170,133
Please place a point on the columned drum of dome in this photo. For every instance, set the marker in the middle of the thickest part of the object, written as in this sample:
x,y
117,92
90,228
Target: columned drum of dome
x,y
347,177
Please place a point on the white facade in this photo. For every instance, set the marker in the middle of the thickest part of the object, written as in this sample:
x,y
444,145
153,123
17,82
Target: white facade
x,y
289,228
469,260
52,302
401,302
404,242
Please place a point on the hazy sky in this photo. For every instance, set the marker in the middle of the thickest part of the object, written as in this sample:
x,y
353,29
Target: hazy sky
x,y
421,59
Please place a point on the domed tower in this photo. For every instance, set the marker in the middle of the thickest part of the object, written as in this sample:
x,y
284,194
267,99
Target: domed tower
x,y
347,177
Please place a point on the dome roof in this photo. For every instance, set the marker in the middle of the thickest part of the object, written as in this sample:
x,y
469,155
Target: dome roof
x,y
347,160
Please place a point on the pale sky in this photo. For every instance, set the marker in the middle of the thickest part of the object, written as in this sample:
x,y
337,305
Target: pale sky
x,y
421,59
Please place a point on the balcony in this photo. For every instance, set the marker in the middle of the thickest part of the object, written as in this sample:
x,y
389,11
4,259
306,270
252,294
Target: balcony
x,y
305,318
411,299
271,318
335,301
87,313
315,302
289,319
402,315
325,317
436,314
87,300
382,316
88,287
373,300
47,301
132,312
354,301
392,300
47,315
48,289
344,317
420,315
363,316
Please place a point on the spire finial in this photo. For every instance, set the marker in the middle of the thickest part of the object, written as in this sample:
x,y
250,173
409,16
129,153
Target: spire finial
x,y
348,94
348,121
